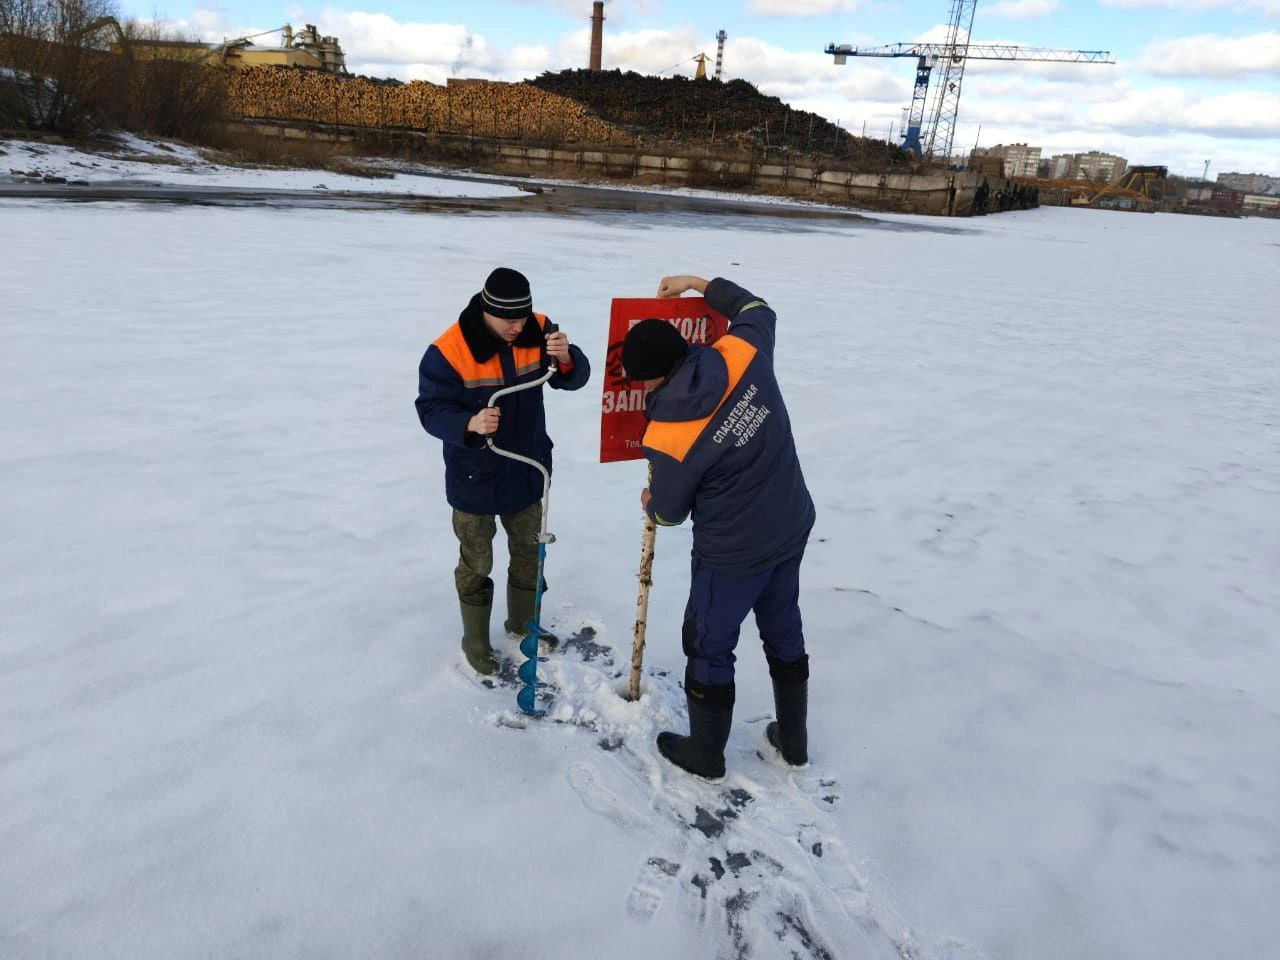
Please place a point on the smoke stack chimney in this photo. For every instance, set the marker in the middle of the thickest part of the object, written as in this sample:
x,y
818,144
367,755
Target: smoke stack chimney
x,y
597,32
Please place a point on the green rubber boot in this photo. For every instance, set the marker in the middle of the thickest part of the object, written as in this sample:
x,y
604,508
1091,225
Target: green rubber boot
x,y
476,608
520,612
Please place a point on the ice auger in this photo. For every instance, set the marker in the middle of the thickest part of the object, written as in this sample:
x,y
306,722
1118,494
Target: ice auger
x,y
527,698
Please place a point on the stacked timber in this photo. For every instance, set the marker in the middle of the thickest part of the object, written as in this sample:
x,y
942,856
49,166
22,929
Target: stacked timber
x,y
481,108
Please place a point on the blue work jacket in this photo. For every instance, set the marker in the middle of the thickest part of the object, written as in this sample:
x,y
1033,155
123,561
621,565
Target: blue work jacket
x,y
720,442
459,372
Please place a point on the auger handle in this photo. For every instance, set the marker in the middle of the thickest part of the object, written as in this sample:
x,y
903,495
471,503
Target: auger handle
x,y
543,536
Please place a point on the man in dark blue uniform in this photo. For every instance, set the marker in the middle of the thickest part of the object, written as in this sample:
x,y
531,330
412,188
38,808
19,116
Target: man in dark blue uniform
x,y
719,440
497,342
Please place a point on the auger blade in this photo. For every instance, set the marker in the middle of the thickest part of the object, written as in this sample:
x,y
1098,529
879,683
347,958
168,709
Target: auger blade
x,y
527,699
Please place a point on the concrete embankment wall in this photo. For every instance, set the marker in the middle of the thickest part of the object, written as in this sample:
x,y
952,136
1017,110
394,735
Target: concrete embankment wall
x,y
939,193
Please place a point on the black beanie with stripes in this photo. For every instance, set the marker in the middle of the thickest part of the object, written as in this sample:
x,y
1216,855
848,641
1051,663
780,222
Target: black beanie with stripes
x,y
506,295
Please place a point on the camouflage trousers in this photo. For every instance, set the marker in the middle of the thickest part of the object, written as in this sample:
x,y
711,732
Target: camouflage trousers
x,y
475,534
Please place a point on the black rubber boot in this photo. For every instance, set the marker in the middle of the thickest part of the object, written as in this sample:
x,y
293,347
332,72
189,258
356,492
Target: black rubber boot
x,y
710,717
476,608
789,733
519,612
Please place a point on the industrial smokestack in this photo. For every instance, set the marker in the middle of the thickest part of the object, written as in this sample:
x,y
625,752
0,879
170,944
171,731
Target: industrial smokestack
x,y
597,32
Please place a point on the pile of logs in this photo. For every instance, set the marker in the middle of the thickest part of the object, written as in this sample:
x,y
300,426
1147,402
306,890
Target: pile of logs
x,y
711,111
588,108
480,108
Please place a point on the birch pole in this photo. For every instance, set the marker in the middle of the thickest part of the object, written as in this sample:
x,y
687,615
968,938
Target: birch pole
x,y
642,600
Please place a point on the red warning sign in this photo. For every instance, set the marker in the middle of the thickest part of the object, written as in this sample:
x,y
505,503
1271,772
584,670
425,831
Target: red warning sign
x,y
622,419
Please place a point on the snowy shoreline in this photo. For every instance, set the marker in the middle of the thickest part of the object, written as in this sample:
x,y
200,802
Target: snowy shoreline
x,y
144,163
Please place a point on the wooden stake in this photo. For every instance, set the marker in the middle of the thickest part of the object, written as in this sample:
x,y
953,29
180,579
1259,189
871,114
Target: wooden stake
x,y
642,600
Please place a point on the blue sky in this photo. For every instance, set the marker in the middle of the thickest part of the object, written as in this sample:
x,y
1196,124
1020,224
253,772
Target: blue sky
x,y
1195,80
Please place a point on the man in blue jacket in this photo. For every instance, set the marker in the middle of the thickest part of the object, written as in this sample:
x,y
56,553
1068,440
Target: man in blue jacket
x,y
497,342
719,440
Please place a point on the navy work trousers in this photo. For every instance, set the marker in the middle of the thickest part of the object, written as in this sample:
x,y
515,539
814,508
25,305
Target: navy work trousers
x,y
717,606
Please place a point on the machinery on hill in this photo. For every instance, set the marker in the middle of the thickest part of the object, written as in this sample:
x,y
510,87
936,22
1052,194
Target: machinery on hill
x,y
931,121
306,49
1146,182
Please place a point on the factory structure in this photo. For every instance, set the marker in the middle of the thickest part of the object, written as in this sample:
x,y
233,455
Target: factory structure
x,y
304,49
597,35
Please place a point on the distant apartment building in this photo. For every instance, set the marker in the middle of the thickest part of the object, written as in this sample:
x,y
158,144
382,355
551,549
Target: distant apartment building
x,y
1249,182
1060,166
985,164
1094,166
1019,159
1098,167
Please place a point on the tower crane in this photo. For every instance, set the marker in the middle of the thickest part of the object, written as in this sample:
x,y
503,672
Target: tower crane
x,y
931,122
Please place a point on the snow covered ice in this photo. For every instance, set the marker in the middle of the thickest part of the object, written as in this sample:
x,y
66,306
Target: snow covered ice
x,y
1040,599
140,161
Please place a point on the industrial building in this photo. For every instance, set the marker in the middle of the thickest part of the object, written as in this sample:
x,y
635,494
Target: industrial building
x,y
306,49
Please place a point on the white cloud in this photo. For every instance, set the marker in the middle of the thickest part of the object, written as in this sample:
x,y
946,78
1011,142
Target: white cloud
x,y
212,26
1270,8
376,36
1214,56
1021,9
617,12
654,51
1245,114
801,8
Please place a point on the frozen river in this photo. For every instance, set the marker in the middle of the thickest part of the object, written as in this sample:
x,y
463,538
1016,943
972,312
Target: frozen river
x,y
1040,598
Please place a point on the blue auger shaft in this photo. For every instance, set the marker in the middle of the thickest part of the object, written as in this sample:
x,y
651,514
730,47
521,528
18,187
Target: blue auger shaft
x,y
535,623
536,626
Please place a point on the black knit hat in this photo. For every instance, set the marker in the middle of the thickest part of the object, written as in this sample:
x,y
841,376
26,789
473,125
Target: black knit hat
x,y
506,295
651,350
